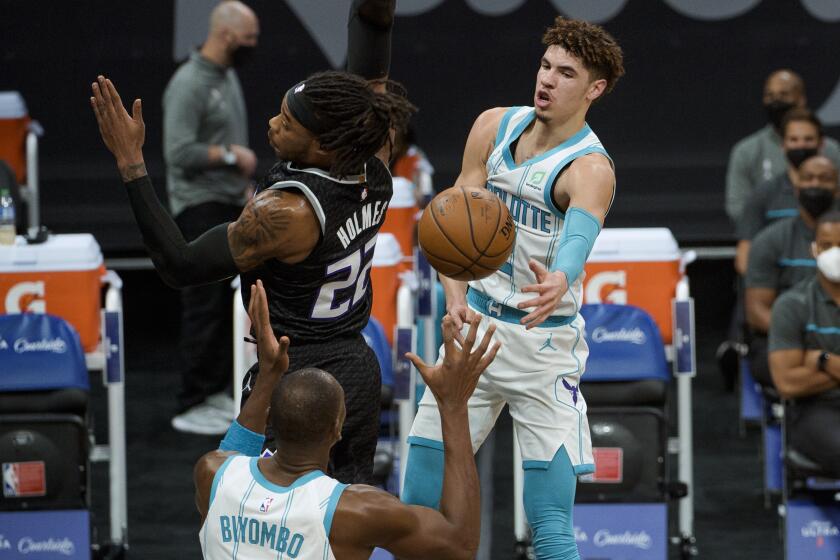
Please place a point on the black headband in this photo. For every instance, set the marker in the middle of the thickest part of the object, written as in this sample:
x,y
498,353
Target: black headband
x,y
301,109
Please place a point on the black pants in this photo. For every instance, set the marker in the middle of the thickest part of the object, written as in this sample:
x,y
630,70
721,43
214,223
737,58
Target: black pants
x,y
814,432
354,365
759,365
206,344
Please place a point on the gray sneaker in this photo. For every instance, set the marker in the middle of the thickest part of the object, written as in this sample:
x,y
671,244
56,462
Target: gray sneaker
x,y
201,419
223,404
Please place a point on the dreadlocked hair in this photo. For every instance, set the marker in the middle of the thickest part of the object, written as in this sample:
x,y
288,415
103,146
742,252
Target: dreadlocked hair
x,y
360,118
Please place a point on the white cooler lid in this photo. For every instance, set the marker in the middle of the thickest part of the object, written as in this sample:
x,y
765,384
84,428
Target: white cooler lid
x,y
12,105
62,252
387,251
403,196
635,244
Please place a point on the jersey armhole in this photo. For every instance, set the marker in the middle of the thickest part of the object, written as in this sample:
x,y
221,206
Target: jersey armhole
x,y
310,196
217,479
332,503
548,192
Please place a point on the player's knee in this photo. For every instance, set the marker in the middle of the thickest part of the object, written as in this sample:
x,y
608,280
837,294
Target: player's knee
x,y
549,495
423,475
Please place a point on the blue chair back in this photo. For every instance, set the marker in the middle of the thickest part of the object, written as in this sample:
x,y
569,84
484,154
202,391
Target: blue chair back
x,y
624,344
375,337
40,352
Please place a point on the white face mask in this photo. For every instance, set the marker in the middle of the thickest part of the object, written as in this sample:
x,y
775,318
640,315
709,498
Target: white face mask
x,y
829,264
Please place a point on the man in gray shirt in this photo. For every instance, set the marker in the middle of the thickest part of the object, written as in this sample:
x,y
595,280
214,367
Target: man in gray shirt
x,y
805,351
209,166
781,255
759,157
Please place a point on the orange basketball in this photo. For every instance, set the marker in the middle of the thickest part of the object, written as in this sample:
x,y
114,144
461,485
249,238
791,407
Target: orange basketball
x,y
466,233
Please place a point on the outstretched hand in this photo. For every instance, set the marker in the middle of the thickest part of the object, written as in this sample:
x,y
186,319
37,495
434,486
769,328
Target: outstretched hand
x,y
273,354
453,381
551,287
122,133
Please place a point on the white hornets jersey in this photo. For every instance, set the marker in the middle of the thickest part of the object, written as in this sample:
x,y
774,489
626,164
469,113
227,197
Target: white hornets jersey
x,y
526,190
251,518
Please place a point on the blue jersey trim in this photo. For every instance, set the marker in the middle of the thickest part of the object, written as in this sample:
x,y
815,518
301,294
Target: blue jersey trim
x,y
425,442
575,138
811,327
548,199
535,465
500,134
486,305
218,478
268,485
807,263
782,213
584,468
331,505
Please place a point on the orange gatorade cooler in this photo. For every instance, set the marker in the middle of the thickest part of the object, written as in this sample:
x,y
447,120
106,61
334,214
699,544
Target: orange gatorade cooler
x,y
401,218
14,125
385,279
639,267
60,277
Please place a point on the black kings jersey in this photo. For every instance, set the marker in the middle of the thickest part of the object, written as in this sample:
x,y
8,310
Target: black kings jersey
x,y
328,294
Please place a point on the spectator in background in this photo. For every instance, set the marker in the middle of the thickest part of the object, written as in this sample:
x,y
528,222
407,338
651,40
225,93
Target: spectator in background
x,y
802,138
759,157
781,255
208,168
805,351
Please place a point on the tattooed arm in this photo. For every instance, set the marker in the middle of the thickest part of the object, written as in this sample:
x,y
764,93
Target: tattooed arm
x,y
275,224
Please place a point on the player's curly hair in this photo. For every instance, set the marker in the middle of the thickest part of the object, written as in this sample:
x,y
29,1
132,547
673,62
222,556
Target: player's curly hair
x,y
598,50
361,118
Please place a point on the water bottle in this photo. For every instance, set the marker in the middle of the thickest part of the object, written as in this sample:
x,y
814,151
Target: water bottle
x,y
7,218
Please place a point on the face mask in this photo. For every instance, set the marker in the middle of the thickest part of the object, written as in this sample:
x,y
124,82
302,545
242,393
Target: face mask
x,y
776,112
815,200
797,156
828,262
242,55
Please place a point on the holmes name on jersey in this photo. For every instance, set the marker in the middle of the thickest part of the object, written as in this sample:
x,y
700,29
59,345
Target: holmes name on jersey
x,y
368,216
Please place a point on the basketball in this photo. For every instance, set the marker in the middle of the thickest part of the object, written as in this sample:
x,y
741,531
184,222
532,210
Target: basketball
x,y
466,233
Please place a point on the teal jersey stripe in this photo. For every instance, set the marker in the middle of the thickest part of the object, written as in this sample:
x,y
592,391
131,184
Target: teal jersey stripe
x,y
811,327
805,263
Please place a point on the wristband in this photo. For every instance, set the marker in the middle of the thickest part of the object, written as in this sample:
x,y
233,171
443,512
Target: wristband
x,y
242,440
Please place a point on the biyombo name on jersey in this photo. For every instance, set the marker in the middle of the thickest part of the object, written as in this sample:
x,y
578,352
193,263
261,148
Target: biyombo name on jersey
x,y
236,528
371,214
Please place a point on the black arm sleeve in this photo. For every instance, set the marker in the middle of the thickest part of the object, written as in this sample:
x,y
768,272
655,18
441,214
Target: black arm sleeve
x,y
369,38
207,259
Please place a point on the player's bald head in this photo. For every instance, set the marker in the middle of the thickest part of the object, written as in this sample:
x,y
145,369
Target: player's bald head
x,y
232,15
306,406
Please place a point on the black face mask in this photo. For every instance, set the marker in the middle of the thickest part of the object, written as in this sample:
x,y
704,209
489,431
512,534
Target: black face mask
x,y
798,155
242,56
776,112
815,200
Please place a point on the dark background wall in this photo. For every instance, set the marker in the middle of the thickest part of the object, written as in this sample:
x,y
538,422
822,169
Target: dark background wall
x,y
692,89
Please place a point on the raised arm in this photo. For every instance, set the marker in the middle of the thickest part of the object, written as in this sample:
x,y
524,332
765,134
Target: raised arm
x,y
367,517
245,435
275,224
473,173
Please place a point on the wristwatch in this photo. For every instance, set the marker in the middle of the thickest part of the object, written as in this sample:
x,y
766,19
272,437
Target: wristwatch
x,y
228,157
822,361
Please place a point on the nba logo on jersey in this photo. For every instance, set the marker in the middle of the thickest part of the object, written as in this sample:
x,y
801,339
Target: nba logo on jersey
x,y
266,503
364,193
